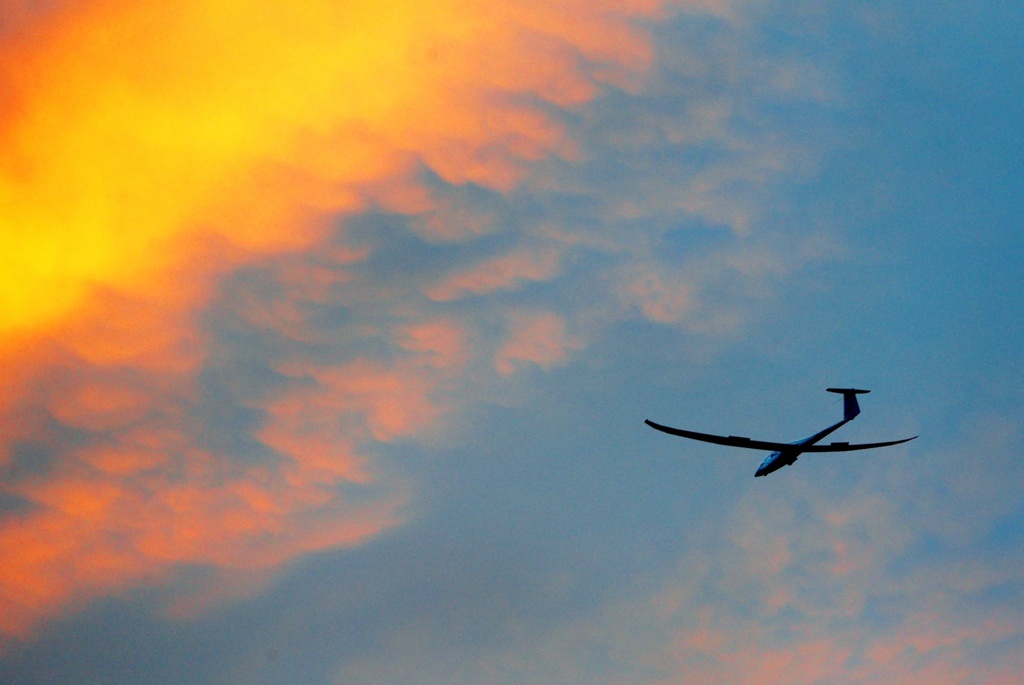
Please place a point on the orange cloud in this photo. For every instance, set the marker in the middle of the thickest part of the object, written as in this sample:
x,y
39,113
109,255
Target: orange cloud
x,y
541,339
442,344
149,149
132,125
664,298
506,272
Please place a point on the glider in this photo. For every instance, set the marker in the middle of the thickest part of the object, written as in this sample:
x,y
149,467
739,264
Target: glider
x,y
786,453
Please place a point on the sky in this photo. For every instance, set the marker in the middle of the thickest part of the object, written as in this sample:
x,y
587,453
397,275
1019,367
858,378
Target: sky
x,y
328,330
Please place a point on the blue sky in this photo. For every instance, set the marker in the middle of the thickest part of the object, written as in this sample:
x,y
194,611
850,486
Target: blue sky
x,y
783,197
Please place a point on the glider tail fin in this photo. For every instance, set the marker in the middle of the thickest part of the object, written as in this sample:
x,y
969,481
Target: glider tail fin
x,y
850,406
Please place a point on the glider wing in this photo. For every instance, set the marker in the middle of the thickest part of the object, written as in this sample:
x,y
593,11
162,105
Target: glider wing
x,y
847,447
731,440
737,441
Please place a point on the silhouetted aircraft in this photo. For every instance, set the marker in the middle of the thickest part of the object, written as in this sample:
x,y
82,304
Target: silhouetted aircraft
x,y
785,453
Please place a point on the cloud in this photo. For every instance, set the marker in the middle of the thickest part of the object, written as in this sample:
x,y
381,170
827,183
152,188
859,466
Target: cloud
x,y
813,584
538,338
205,348
128,135
157,157
243,273
505,272
838,580
662,297
121,484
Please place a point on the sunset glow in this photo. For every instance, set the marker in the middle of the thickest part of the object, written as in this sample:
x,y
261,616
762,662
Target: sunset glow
x,y
328,330
152,148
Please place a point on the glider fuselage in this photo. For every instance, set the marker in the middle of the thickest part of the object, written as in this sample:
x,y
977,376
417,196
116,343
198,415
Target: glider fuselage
x,y
786,457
